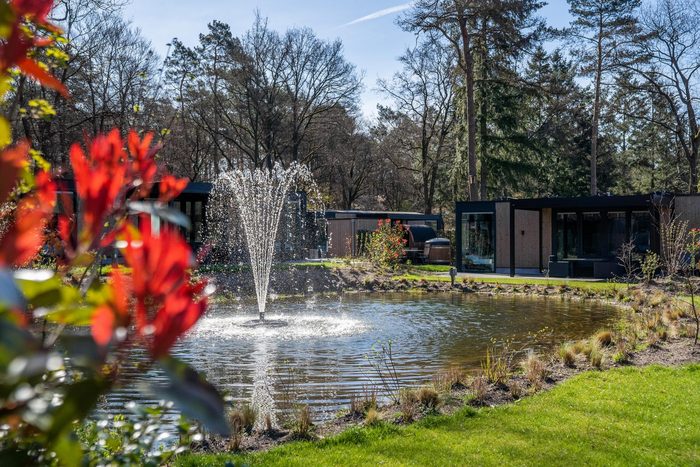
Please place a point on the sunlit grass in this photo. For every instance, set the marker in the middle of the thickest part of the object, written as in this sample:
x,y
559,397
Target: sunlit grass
x,y
572,283
626,416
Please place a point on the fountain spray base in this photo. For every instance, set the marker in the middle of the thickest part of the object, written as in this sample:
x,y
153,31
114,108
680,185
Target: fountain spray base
x,y
267,323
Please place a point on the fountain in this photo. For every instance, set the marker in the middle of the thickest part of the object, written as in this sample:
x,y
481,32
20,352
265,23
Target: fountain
x,y
258,197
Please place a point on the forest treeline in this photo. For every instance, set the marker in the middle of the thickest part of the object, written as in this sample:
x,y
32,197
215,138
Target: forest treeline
x,y
489,102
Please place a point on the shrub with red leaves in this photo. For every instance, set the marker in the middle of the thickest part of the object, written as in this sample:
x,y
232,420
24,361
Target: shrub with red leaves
x,y
149,304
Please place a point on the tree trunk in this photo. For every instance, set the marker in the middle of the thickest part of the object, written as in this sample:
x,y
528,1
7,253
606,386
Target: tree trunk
x,y
693,163
596,111
468,65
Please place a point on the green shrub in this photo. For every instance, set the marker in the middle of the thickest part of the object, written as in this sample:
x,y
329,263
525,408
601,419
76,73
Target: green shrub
x,y
620,357
386,244
650,264
596,358
496,364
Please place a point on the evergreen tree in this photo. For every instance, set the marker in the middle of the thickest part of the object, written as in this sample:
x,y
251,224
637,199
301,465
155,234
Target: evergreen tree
x,y
603,30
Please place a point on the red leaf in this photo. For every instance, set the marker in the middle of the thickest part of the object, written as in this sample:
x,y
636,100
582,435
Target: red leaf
x,y
31,68
11,162
38,10
103,325
171,187
24,238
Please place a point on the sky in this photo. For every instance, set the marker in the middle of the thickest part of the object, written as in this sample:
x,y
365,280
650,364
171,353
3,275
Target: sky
x,y
367,28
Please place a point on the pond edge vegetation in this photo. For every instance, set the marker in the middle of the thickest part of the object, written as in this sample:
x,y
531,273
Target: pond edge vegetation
x,y
654,326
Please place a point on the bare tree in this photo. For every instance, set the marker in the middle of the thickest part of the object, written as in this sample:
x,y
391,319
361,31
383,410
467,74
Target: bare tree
x,y
671,52
628,258
423,92
258,97
317,79
110,69
455,21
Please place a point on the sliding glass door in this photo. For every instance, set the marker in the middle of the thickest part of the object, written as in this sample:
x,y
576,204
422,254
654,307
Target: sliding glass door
x,y
478,252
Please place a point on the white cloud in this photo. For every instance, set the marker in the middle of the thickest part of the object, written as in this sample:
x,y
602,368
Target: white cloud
x,y
378,14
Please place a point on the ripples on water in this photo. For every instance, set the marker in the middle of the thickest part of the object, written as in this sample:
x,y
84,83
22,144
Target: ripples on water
x,y
320,357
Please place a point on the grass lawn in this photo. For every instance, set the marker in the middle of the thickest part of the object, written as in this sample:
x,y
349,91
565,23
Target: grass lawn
x,y
626,416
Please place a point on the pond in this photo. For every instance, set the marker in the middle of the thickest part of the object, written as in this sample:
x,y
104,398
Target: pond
x,y
321,357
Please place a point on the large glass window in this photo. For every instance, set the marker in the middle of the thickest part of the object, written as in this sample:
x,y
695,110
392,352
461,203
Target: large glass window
x,y
478,252
591,233
197,222
641,230
617,231
566,235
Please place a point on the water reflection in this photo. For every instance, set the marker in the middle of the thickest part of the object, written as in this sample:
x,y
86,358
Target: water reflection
x,y
320,358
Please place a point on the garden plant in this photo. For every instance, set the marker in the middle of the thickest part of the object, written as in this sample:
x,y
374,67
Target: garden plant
x,y
52,376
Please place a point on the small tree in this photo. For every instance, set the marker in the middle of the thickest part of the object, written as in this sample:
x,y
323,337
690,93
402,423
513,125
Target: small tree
x,y
628,258
674,241
650,264
386,244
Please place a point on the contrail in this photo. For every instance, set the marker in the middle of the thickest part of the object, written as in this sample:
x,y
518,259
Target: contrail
x,y
380,13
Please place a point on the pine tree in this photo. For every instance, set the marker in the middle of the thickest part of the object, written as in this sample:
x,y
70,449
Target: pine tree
x,y
603,29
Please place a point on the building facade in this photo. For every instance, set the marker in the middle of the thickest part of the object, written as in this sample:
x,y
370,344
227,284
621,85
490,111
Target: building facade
x,y
565,237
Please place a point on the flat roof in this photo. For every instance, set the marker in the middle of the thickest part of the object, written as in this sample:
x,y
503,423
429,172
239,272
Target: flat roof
x,y
580,202
358,214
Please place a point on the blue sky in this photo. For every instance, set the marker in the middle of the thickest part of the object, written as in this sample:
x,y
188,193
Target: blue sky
x,y
367,28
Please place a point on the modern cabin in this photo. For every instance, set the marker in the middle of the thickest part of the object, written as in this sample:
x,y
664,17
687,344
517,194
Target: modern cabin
x,y
565,237
349,229
192,202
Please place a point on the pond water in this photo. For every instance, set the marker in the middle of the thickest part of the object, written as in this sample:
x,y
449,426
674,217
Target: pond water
x,y
321,357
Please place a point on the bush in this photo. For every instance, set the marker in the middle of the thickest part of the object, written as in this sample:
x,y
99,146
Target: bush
x,y
516,389
596,358
385,247
650,264
620,357
242,420
359,405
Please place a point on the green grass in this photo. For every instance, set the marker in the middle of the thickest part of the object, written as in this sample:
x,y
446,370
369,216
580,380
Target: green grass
x,y
429,267
578,284
626,416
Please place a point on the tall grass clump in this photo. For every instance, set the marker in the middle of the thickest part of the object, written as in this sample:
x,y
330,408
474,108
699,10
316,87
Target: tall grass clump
x,y
496,364
535,370
428,398
567,355
303,422
479,389
408,404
